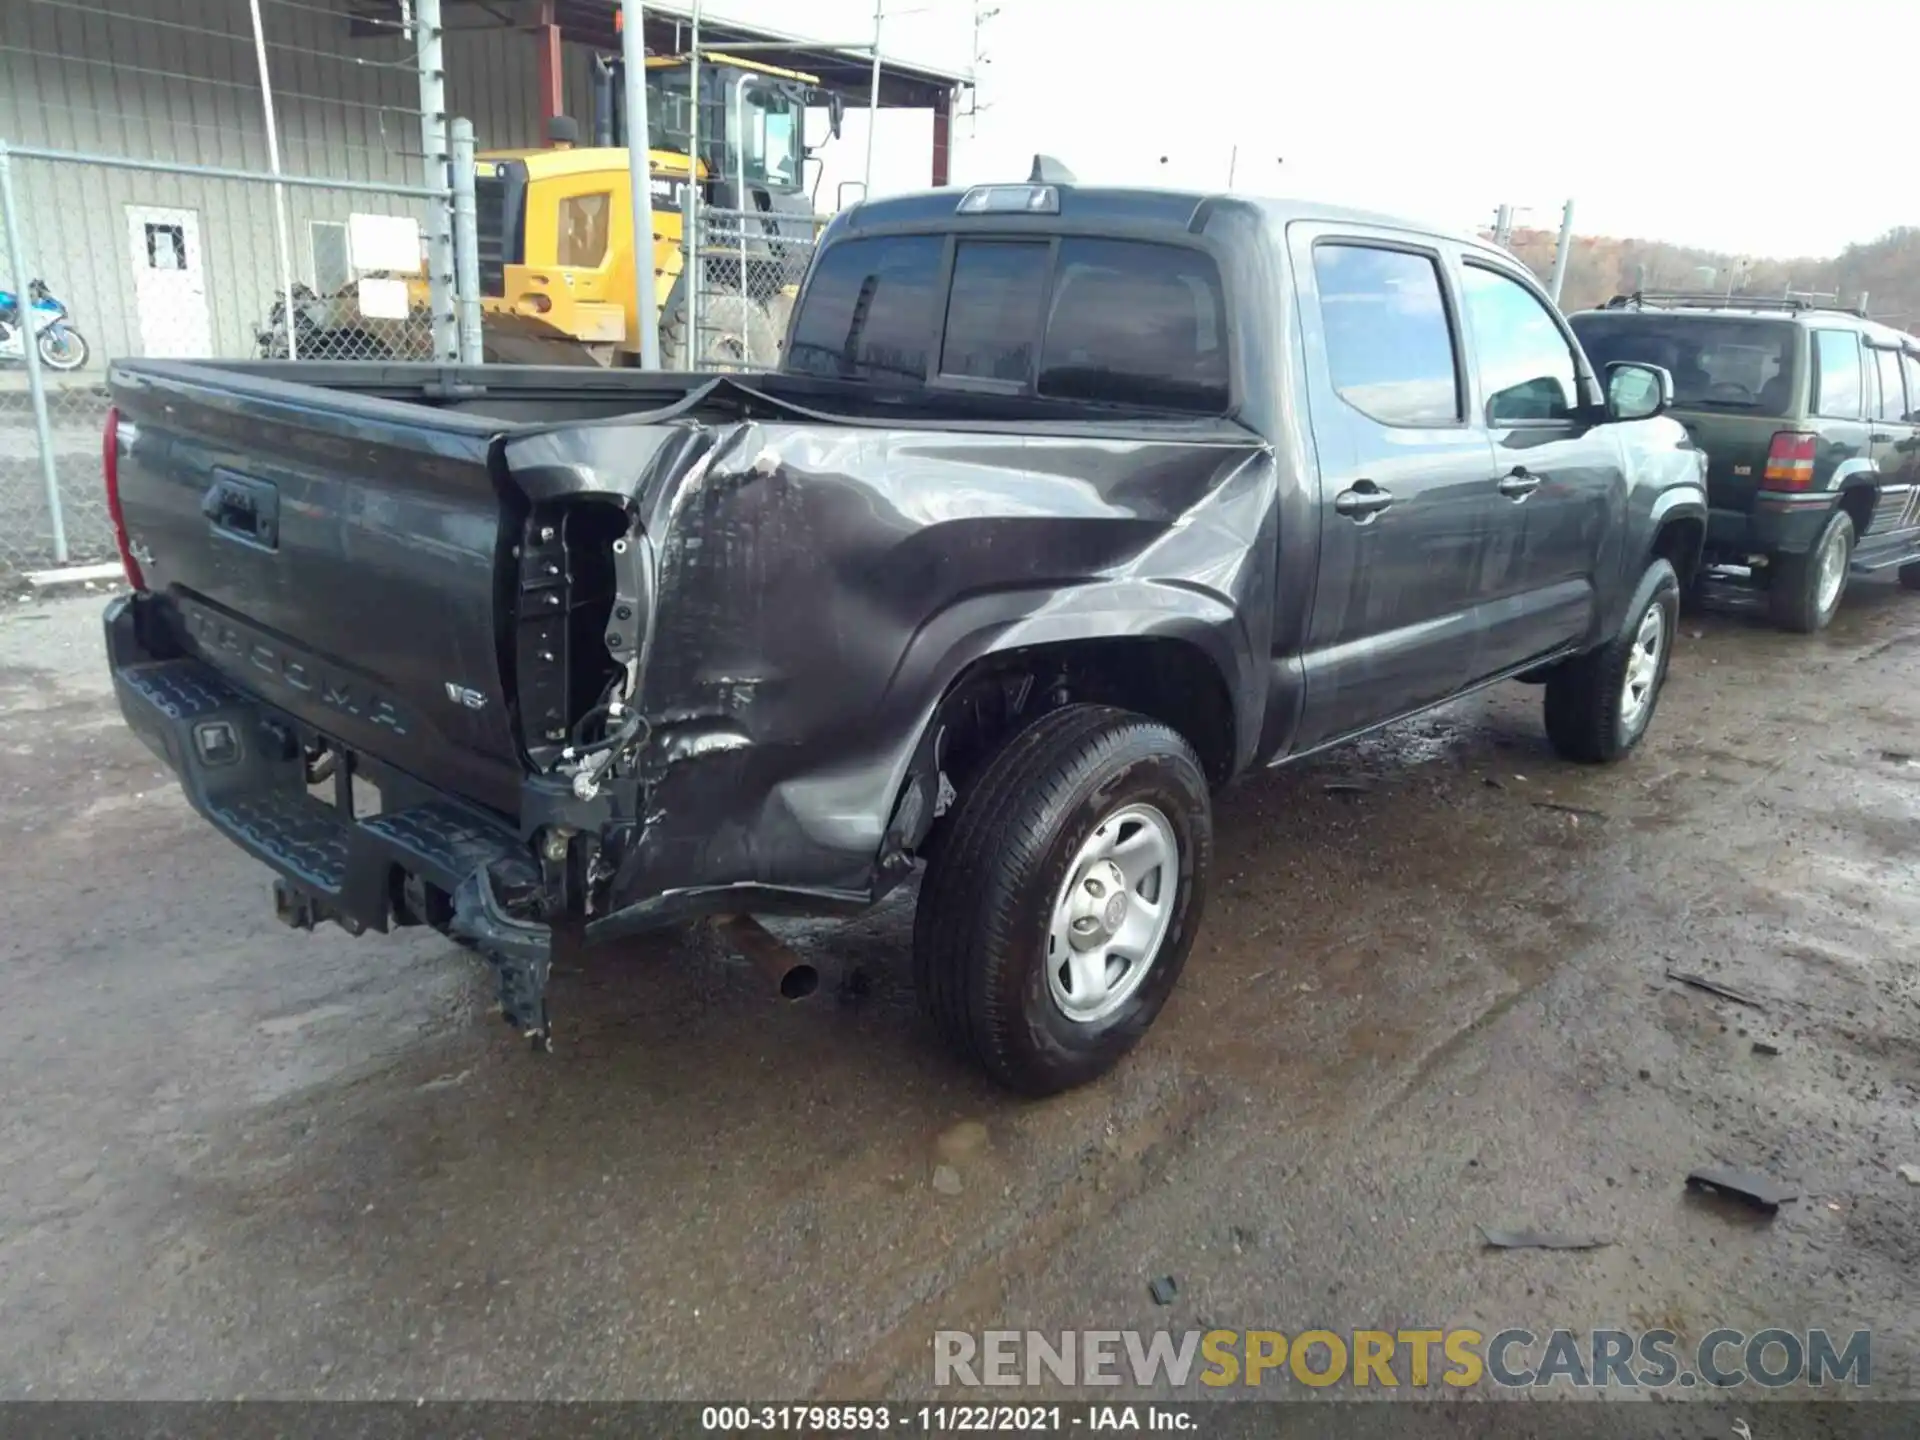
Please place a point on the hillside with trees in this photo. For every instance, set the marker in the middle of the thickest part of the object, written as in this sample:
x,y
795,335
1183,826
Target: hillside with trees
x,y
1886,271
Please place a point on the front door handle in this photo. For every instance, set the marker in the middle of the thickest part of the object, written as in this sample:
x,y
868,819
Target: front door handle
x,y
1364,501
1519,485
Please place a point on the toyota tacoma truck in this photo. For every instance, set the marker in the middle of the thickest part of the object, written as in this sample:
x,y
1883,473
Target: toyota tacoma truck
x,y
1069,506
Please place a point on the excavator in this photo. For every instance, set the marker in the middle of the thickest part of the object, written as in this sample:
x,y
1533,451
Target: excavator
x,y
556,233
555,230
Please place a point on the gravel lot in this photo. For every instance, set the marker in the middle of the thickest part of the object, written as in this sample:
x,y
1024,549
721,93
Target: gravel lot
x,y
239,1160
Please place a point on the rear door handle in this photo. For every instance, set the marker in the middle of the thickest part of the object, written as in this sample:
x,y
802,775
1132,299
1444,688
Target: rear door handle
x,y
1519,485
1364,501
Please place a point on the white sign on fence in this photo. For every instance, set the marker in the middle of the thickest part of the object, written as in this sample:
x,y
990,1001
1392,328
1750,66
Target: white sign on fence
x,y
383,299
384,242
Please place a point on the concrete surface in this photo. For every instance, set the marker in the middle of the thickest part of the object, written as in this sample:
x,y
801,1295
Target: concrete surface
x,y
237,1160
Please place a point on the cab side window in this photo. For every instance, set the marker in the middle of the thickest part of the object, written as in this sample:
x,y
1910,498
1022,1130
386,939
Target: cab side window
x,y
1389,343
1524,362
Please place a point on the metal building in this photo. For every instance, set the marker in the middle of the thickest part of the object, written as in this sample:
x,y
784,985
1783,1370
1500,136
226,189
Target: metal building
x,y
169,264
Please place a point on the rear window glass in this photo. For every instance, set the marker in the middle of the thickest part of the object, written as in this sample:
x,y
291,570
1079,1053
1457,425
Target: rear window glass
x,y
993,309
1112,321
1716,363
872,310
1136,323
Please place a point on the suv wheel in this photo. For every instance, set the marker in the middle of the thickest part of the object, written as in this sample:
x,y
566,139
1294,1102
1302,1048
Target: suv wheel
x,y
1804,590
1059,911
1600,704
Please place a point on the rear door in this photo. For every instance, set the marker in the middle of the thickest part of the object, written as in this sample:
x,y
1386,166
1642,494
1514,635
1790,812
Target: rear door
x,y
1560,486
1893,448
1405,476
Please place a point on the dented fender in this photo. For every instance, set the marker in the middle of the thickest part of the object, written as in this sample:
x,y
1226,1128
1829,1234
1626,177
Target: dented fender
x,y
816,588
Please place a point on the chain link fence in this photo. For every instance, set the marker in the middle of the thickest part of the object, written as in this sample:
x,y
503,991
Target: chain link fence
x,y
751,263
203,179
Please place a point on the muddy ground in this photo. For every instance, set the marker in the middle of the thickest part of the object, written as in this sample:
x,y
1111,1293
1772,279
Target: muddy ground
x,y
237,1160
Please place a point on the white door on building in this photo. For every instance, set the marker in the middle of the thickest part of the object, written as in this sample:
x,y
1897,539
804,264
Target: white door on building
x,y
169,282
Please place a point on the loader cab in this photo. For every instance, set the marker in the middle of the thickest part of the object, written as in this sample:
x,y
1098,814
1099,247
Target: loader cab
x,y
753,136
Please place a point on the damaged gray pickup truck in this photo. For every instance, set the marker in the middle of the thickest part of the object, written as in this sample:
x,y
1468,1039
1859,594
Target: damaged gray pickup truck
x,y
1070,506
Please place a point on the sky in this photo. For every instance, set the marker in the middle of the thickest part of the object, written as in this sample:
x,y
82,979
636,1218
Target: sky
x,y
1692,121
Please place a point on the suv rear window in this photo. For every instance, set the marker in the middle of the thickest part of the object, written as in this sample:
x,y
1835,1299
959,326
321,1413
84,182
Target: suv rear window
x,y
1716,363
1119,321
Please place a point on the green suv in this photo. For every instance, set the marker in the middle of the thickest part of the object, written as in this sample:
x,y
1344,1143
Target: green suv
x,y
1810,418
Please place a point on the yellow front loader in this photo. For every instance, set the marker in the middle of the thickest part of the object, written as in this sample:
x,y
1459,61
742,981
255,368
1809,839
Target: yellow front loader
x,y
555,225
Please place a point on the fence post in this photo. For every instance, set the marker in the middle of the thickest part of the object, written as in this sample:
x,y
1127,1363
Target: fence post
x,y
633,51
30,352
466,244
433,143
282,242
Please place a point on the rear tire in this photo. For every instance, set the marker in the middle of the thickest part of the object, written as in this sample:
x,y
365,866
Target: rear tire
x,y
735,334
1599,705
1033,963
1804,591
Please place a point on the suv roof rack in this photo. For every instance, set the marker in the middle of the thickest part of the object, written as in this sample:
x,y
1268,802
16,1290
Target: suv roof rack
x,y
1712,300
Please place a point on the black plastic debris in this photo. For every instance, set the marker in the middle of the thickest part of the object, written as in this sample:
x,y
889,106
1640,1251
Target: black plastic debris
x,y
1714,987
1347,787
1765,1047
1749,1187
1163,1289
1540,1240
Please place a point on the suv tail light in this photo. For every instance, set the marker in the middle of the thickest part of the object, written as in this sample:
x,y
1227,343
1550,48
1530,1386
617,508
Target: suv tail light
x,y
110,469
1790,461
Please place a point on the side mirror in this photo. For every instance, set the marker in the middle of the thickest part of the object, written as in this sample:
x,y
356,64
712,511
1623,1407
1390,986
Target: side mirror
x,y
811,97
1638,392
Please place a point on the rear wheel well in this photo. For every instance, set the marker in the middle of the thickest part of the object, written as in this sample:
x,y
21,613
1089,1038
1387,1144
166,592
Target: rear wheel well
x,y
1678,542
1858,502
1172,681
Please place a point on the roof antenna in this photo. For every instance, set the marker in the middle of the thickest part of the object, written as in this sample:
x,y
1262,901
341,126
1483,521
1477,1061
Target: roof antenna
x,y
1049,171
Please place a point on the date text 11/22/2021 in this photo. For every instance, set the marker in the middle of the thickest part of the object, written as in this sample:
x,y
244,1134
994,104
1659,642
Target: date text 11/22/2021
x,y
943,1419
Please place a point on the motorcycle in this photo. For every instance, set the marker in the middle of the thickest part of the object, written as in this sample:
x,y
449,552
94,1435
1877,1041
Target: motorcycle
x,y
61,346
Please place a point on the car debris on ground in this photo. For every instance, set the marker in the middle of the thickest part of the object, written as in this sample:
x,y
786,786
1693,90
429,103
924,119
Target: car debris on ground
x,y
1540,1240
1715,987
1749,1187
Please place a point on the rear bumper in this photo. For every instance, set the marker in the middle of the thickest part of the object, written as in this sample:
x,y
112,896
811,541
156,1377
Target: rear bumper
x,y
425,859
1779,523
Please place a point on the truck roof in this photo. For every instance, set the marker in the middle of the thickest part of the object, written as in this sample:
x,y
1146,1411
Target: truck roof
x,y
1137,206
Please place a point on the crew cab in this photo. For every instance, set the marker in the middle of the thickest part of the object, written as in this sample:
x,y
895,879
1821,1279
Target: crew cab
x,y
1071,506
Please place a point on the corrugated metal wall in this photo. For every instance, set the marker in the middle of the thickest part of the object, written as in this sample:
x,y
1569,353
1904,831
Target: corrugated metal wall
x,y
177,80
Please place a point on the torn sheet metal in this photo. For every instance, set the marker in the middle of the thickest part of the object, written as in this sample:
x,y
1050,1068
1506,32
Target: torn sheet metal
x,y
817,587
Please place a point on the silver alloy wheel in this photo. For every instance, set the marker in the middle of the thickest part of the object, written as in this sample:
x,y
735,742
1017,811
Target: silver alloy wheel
x,y
1643,669
1833,569
1112,914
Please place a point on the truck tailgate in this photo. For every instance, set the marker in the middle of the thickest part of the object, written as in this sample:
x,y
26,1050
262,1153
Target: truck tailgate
x,y
333,553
